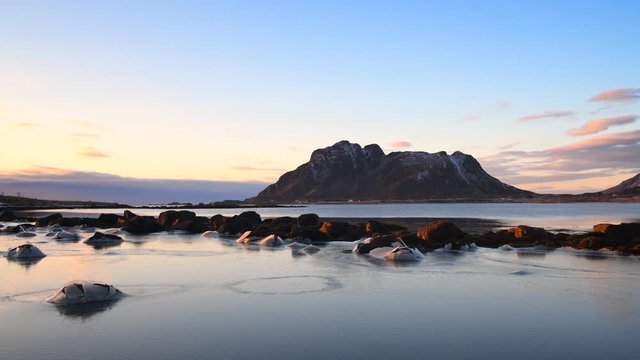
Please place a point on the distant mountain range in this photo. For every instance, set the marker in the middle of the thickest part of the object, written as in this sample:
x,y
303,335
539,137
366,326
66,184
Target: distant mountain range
x,y
629,187
347,171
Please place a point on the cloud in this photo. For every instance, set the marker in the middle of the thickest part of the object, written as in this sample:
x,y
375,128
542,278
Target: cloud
x,y
599,156
63,184
471,117
508,146
599,125
84,135
400,145
24,124
503,105
91,153
547,115
617,95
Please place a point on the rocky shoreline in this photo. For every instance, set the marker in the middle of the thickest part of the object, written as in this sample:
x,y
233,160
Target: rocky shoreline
x,y
423,234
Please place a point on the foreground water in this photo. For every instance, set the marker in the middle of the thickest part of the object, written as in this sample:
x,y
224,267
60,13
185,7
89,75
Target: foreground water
x,y
209,298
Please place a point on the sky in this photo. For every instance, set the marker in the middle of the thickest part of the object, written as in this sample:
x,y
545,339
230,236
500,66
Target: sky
x,y
545,94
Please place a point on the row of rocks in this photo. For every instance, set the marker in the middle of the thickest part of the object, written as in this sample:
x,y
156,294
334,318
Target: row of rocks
x,y
623,238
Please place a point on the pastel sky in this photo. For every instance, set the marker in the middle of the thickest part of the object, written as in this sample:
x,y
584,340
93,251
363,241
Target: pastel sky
x,y
546,94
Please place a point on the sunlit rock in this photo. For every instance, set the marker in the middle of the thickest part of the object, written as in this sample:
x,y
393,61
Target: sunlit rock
x,y
245,237
403,253
211,234
272,240
83,292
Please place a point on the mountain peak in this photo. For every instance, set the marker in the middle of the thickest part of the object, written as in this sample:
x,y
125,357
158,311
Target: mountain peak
x,y
346,171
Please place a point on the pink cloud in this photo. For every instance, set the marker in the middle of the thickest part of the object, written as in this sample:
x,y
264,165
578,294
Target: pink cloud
x,y
547,115
598,125
91,153
400,145
617,95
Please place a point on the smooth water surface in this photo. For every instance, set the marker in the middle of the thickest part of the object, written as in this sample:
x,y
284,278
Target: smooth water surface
x,y
208,298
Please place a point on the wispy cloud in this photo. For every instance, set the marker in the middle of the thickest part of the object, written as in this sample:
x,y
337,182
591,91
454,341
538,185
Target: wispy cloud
x,y
508,146
547,115
24,124
597,125
503,105
471,117
598,156
400,145
84,135
91,153
617,95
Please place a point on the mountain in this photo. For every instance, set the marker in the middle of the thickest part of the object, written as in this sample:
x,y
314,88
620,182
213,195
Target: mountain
x,y
346,171
628,187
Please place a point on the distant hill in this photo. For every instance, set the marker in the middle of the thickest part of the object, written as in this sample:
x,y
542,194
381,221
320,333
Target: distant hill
x,y
346,171
15,202
629,187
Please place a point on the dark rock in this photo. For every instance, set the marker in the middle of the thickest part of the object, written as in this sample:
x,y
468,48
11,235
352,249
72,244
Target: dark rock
x,y
411,240
217,220
494,240
128,215
440,232
309,221
197,225
624,231
172,218
372,227
75,221
141,225
312,234
336,229
52,219
7,215
528,232
109,221
98,236
248,220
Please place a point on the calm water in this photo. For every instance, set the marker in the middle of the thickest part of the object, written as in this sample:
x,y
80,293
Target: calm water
x,y
574,216
202,298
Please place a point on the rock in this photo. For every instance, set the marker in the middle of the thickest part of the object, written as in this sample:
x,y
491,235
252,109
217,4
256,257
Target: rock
x,y
373,227
196,225
83,292
528,232
312,234
102,239
309,221
66,236
25,251
105,221
172,218
217,220
366,245
335,230
128,215
624,231
141,225
52,219
440,232
7,215
404,254
75,221
248,220
271,240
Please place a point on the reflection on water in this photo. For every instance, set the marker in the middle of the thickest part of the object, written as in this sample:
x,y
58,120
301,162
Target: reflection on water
x,y
198,298
85,311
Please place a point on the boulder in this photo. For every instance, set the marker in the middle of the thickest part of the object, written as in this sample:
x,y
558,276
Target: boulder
x,y
75,221
313,234
52,219
141,225
624,231
128,215
365,246
197,225
217,220
248,220
108,221
171,218
440,232
7,215
309,221
528,232
335,230
102,239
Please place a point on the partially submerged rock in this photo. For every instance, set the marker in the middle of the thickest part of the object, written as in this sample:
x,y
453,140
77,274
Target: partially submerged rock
x,y
272,240
102,239
141,225
83,292
25,251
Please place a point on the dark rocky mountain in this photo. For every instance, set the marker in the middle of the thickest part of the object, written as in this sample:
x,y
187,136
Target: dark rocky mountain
x,y
628,187
347,171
